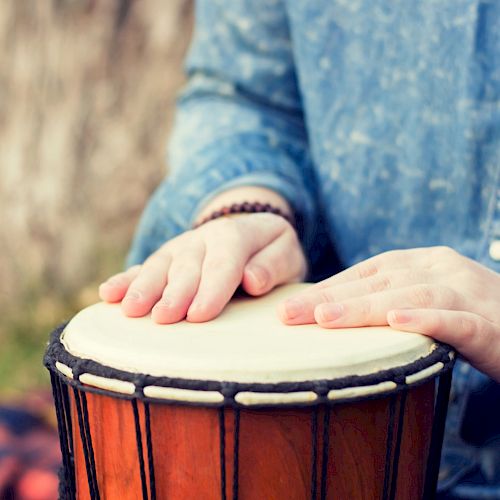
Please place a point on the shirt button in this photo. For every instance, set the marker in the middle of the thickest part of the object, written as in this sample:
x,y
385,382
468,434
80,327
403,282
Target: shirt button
x,y
495,250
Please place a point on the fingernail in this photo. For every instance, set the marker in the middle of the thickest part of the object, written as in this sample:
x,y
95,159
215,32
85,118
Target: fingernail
x,y
258,275
400,317
194,308
329,312
293,308
133,295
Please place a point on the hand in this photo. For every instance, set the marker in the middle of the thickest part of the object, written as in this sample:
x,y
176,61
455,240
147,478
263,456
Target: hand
x,y
195,274
433,291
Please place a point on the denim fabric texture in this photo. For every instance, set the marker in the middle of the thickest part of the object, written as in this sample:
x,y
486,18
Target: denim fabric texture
x,y
380,123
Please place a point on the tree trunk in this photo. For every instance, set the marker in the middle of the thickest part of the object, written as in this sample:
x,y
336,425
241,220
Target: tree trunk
x,y
87,91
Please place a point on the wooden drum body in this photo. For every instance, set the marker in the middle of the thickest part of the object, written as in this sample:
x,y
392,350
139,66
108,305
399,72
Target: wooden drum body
x,y
245,407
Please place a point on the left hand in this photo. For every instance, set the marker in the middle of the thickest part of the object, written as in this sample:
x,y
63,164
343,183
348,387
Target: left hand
x,y
434,291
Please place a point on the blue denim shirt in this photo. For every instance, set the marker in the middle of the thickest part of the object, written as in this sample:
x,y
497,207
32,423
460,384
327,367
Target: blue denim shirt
x,y
379,122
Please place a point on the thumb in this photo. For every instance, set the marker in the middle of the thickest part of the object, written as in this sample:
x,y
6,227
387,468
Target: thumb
x,y
282,261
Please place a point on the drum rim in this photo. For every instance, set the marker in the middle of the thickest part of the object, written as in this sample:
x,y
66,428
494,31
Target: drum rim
x,y
243,394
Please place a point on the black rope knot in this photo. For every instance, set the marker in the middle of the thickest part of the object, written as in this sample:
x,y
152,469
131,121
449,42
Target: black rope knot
x,y
399,379
228,390
78,369
321,388
140,381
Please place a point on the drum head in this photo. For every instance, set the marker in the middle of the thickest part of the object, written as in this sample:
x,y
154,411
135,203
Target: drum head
x,y
247,343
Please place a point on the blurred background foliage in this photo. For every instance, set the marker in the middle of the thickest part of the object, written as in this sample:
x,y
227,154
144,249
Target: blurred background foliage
x,y
87,94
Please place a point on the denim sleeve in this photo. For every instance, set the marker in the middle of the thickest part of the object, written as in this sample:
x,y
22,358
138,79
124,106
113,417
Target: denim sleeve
x,y
239,122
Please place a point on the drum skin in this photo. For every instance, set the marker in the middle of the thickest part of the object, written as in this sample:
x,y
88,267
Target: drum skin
x,y
275,449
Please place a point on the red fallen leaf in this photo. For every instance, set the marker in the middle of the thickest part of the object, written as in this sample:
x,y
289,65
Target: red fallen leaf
x,y
38,484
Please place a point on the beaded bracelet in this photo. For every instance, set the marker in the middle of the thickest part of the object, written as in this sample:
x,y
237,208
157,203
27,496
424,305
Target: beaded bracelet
x,y
245,208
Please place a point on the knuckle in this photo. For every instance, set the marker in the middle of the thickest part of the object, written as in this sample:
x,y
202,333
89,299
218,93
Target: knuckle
x,y
366,270
435,296
423,296
325,295
379,284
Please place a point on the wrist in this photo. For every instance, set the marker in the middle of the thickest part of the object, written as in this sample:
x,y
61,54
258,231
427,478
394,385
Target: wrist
x,y
246,199
245,208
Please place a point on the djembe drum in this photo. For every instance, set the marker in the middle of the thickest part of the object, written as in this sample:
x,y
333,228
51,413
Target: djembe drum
x,y
246,407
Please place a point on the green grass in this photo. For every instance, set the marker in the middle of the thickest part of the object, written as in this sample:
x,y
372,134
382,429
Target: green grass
x,y
24,334
26,327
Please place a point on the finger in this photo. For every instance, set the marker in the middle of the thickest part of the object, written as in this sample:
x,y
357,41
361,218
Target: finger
x,y
220,276
147,287
183,280
372,309
388,261
226,255
300,308
476,338
282,261
115,288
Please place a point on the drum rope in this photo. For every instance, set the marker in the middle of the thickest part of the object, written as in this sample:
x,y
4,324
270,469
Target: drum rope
x,y
324,459
149,444
69,425
140,453
66,484
397,448
89,441
222,448
389,447
66,413
440,411
236,452
314,447
56,352
88,451
63,438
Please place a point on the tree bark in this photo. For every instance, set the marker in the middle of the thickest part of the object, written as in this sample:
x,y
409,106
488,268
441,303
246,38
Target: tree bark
x,y
87,91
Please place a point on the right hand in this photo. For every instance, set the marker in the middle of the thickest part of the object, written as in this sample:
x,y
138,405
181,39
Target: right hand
x,y
194,275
